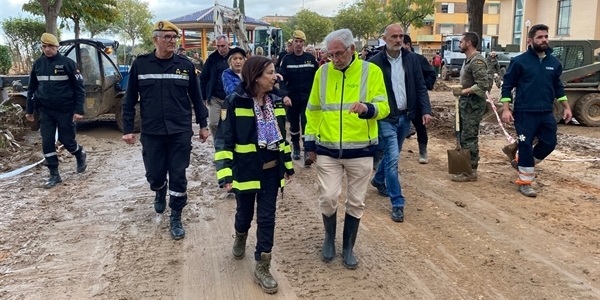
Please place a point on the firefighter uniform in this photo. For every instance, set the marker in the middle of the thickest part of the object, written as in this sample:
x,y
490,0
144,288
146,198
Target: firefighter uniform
x,y
56,91
165,88
255,173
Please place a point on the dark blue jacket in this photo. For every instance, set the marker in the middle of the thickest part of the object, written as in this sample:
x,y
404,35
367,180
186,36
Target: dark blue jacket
x,y
416,92
230,81
167,89
537,82
56,84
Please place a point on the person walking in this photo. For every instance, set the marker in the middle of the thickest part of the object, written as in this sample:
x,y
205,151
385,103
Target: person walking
x,y
253,159
56,91
536,76
211,81
493,66
436,61
347,97
298,70
167,87
233,75
474,83
407,95
429,76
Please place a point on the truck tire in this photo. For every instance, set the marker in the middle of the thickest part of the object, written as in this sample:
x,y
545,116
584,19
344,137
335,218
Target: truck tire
x,y
587,110
137,123
445,73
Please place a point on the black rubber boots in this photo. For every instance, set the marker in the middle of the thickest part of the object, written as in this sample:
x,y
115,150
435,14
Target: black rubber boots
x,y
329,241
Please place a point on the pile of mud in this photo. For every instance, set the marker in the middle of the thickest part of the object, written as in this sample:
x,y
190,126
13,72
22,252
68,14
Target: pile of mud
x,y
441,86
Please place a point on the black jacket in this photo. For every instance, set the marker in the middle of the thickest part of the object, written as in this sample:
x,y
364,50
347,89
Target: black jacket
x,y
416,92
211,81
237,130
165,88
429,74
56,84
298,73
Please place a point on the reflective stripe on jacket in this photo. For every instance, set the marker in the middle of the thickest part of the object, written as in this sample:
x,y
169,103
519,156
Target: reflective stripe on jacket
x,y
237,157
331,130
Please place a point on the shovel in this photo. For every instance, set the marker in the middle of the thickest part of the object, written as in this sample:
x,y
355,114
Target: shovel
x,y
459,160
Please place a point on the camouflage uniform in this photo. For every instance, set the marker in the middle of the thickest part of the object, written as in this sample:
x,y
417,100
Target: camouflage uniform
x,y
493,66
473,74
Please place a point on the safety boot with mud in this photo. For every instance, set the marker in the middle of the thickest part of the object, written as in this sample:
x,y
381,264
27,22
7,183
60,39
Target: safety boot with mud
x,y
465,177
296,150
511,151
54,178
177,231
239,245
160,200
262,274
527,190
81,157
307,160
423,153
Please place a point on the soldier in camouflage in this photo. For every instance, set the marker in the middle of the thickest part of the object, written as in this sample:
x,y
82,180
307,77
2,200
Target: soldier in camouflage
x,y
493,68
474,83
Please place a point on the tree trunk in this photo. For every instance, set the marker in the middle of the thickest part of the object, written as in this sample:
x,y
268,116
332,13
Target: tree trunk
x,y
51,11
475,12
77,27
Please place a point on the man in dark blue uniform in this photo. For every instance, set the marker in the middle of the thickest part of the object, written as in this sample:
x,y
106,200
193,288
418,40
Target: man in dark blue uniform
x,y
56,91
165,84
298,70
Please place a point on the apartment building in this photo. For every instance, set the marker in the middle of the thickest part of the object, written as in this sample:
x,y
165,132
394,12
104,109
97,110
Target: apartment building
x,y
567,19
450,18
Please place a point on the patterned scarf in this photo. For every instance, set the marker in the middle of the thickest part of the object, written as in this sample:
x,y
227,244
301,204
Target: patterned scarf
x,y
267,128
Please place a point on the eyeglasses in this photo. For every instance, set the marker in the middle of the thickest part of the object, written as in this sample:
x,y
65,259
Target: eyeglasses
x,y
339,54
168,37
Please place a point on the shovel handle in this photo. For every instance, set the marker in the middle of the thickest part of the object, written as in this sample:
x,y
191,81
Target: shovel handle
x,y
457,123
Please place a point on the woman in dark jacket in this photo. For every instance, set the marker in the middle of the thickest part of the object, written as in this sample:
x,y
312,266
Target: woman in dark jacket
x,y
254,160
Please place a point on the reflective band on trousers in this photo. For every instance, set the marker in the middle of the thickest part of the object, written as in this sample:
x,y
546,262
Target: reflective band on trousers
x,y
177,194
53,78
50,154
163,76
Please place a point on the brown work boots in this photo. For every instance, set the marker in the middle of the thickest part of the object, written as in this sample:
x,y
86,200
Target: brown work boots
x,y
465,177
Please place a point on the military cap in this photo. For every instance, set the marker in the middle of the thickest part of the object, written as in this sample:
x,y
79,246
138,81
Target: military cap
x,y
49,39
298,34
164,25
235,50
290,41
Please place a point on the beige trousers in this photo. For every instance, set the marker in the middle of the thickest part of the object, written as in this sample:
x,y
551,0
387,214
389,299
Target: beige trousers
x,y
330,172
214,114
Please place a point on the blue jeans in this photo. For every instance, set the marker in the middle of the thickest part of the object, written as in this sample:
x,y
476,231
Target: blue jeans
x,y
391,138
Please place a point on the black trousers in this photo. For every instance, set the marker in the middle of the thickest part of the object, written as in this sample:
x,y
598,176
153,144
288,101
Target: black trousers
x,y
297,117
266,204
50,121
421,130
168,154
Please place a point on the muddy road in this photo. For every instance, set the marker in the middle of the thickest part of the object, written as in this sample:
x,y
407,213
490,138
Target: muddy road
x,y
96,235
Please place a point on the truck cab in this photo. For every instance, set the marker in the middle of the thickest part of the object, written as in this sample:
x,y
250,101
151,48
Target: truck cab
x,y
270,39
453,58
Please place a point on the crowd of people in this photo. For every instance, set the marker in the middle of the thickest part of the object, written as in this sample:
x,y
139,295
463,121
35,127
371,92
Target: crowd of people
x,y
347,114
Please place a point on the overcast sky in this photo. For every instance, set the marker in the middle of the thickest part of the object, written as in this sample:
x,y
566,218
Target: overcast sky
x,y
170,9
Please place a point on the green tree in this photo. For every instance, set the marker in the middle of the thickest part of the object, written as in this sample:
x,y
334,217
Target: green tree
x,y
475,13
80,12
97,27
410,12
365,19
315,26
5,60
23,38
242,7
135,20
